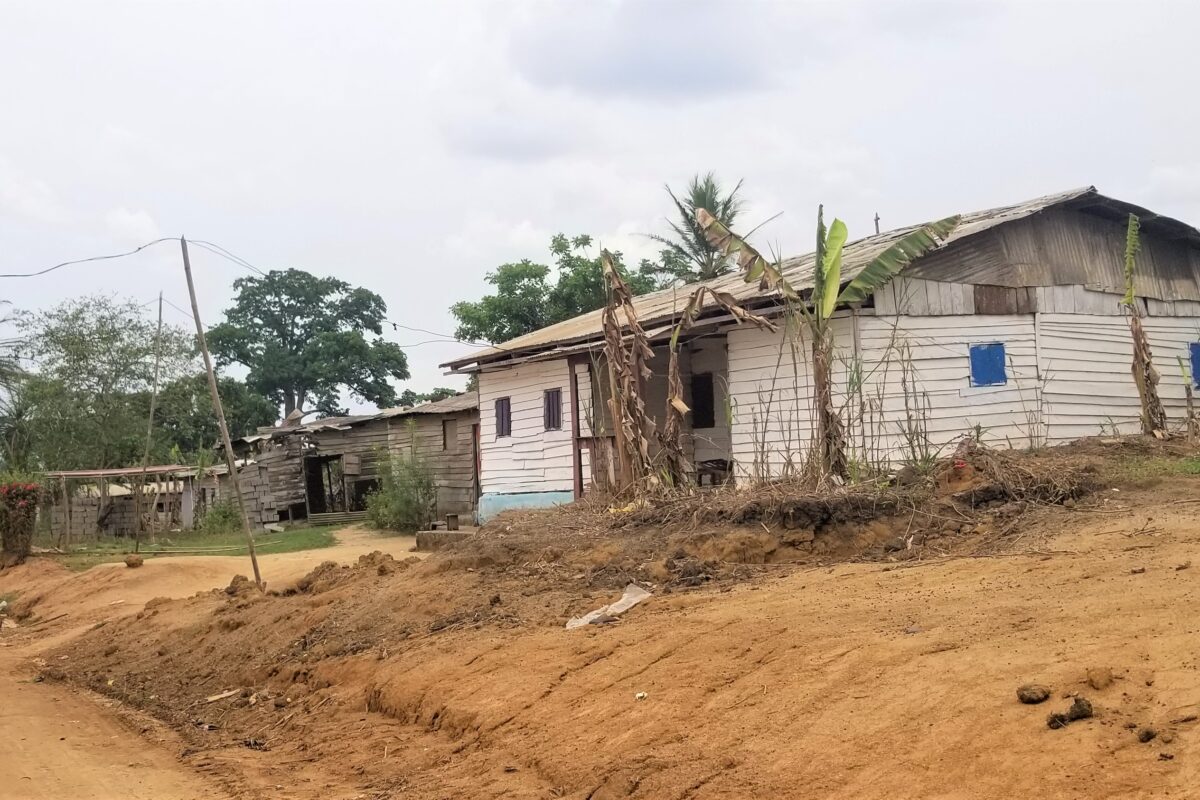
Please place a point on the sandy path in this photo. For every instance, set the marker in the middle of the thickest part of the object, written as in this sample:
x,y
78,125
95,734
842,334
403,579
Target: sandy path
x,y
61,744
112,590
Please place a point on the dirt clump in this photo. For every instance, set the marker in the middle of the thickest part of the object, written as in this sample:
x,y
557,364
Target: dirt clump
x,y
1033,693
133,561
240,585
1099,678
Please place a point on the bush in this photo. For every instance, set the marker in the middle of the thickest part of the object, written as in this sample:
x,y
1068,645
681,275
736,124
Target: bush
x,y
18,513
406,498
221,517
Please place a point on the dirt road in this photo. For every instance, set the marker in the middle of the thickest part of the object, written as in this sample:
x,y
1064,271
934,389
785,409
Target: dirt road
x,y
63,744
60,744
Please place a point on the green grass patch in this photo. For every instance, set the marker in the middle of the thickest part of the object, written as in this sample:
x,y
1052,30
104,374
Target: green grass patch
x,y
1143,467
200,544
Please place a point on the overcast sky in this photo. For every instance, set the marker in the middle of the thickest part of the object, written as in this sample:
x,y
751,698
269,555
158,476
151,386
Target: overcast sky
x,y
411,147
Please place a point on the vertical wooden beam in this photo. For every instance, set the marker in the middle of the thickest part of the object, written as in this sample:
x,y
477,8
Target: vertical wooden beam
x,y
220,412
576,457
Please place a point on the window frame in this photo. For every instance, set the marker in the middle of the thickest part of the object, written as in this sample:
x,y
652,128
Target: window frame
x,y
503,418
552,416
449,443
979,363
1194,354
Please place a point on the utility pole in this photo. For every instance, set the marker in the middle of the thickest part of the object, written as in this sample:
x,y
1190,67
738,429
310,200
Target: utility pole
x,y
220,412
877,222
140,496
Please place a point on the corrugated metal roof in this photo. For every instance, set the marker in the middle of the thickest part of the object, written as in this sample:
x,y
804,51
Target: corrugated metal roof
x,y
467,401
122,472
668,303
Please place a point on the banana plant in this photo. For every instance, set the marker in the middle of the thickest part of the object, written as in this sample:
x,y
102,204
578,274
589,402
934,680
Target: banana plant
x,y
826,295
1145,376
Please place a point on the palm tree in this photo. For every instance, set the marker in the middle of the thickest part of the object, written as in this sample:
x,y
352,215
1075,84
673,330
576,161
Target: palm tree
x,y
688,256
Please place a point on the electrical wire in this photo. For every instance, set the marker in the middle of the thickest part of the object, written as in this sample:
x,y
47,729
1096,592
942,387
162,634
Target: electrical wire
x,y
237,260
85,260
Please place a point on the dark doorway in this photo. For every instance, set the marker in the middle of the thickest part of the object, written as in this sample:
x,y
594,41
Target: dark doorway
x,y
324,484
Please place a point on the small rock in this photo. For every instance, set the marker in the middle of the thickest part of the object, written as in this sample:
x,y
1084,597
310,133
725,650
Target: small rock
x,y
1099,677
1080,709
1137,571
1165,756
1032,694
1056,721
133,560
495,601
911,629
280,702
1147,735
1183,566
1166,737
640,696
1069,502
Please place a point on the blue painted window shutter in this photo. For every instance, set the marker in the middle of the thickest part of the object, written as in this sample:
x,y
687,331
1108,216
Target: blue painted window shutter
x,y
1195,349
987,364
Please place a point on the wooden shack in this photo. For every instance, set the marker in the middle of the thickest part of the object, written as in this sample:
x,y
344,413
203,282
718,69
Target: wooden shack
x,y
323,470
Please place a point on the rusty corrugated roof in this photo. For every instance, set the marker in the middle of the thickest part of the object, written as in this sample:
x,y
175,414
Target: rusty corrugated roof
x,y
666,304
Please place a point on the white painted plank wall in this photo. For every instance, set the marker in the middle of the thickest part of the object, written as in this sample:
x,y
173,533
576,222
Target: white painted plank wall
x,y
1085,364
532,459
939,353
770,391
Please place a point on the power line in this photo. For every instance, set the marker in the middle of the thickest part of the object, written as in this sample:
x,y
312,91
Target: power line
x,y
85,260
228,255
237,260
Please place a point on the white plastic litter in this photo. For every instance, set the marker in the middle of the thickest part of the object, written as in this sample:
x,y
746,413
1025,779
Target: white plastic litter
x,y
633,595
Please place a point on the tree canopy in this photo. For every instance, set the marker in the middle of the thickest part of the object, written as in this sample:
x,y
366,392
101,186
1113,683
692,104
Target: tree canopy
x,y
410,398
303,340
688,256
530,296
85,401
82,403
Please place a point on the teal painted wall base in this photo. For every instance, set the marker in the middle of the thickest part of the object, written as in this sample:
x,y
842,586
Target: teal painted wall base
x,y
492,504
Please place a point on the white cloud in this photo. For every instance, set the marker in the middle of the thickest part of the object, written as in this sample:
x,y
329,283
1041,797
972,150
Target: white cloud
x,y
28,198
411,148
131,227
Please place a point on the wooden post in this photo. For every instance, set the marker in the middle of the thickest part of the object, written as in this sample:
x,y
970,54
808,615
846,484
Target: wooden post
x,y
220,412
141,487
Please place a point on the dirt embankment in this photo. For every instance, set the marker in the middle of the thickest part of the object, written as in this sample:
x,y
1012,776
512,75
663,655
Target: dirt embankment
x,y
890,677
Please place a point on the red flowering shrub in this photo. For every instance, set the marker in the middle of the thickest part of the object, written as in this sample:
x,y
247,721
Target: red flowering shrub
x,y
18,512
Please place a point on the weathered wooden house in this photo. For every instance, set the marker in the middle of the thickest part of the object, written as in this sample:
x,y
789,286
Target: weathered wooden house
x,y
323,470
1011,330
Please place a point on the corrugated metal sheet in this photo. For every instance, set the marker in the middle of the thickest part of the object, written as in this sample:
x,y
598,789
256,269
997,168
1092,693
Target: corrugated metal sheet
x,y
467,401
1010,261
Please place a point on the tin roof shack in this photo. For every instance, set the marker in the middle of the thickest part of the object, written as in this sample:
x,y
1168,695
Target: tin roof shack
x,y
95,502
323,470
1011,329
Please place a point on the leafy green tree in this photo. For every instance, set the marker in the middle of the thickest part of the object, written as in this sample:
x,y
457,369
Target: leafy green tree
x,y
526,299
184,421
303,340
688,256
410,398
82,403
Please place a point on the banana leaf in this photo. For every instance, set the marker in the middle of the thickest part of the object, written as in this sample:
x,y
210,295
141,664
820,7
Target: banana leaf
x,y
1133,244
890,262
753,266
830,276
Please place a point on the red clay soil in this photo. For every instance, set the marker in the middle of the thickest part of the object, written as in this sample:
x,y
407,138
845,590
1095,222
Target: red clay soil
x,y
889,678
